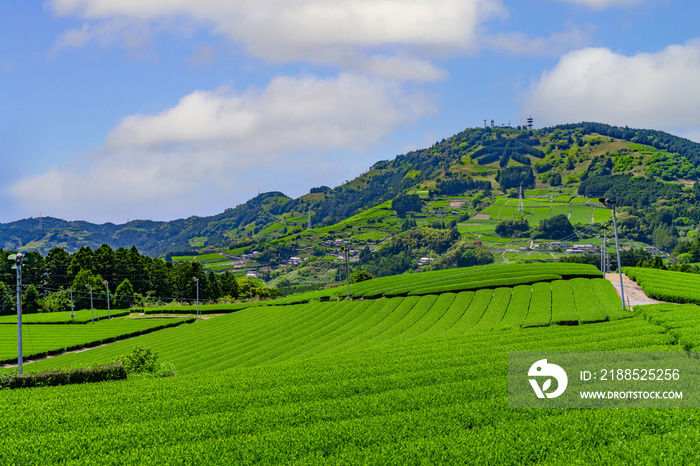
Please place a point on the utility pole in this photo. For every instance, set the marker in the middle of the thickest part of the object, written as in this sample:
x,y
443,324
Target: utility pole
x,y
109,315
18,266
611,204
92,308
72,309
18,259
604,250
197,281
347,269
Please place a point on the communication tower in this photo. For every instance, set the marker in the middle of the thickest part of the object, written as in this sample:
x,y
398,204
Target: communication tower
x,y
529,122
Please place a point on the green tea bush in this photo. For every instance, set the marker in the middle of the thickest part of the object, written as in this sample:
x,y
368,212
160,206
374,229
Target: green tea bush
x,y
102,373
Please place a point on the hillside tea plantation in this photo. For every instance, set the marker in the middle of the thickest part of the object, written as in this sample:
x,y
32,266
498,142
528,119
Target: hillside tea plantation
x,y
41,340
665,285
394,380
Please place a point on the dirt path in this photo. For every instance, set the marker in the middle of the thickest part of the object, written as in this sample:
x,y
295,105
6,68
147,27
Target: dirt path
x,y
633,293
88,348
51,356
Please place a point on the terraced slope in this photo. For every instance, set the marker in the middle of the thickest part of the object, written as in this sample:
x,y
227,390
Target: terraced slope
x,y
437,400
41,340
267,334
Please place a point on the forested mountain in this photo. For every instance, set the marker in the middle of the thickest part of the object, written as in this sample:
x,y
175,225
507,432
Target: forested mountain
x,y
600,159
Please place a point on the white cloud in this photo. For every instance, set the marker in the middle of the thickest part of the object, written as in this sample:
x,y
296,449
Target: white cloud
x,y
335,32
645,90
214,149
602,4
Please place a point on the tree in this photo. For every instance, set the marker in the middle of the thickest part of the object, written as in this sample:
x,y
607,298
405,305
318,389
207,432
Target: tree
x,y
57,263
158,278
213,286
124,296
360,276
513,228
81,290
83,259
229,285
555,179
403,204
104,261
8,304
58,301
557,227
30,300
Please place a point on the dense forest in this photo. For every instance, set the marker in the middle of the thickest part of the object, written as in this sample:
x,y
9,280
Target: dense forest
x,y
132,278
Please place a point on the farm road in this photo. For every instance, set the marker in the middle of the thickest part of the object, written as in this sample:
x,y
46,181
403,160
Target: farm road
x,y
633,293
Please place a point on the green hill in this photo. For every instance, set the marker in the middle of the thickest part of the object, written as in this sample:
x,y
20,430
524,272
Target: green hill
x,y
459,165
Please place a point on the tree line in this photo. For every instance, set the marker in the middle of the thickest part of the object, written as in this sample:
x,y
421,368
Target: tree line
x,y
131,278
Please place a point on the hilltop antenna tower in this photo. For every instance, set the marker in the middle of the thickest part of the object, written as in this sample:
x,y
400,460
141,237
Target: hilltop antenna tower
x,y
530,120
492,123
521,207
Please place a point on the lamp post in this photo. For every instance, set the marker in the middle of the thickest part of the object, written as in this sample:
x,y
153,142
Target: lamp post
x,y
610,203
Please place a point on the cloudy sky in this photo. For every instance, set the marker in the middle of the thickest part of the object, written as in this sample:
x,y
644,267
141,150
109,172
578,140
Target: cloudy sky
x,y
160,109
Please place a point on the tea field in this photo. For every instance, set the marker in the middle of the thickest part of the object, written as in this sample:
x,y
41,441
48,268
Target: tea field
x,y
438,399
42,339
666,285
263,334
394,380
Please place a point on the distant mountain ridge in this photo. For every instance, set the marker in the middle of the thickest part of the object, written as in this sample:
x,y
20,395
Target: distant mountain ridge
x,y
275,213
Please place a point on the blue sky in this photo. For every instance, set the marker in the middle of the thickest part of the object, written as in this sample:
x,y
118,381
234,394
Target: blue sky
x,y
160,109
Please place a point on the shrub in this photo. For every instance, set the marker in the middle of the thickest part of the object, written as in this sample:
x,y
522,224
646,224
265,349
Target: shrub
x,y
145,361
93,374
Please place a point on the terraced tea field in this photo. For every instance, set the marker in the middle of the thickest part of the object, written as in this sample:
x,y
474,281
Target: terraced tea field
x,y
438,399
306,330
42,339
666,285
393,380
